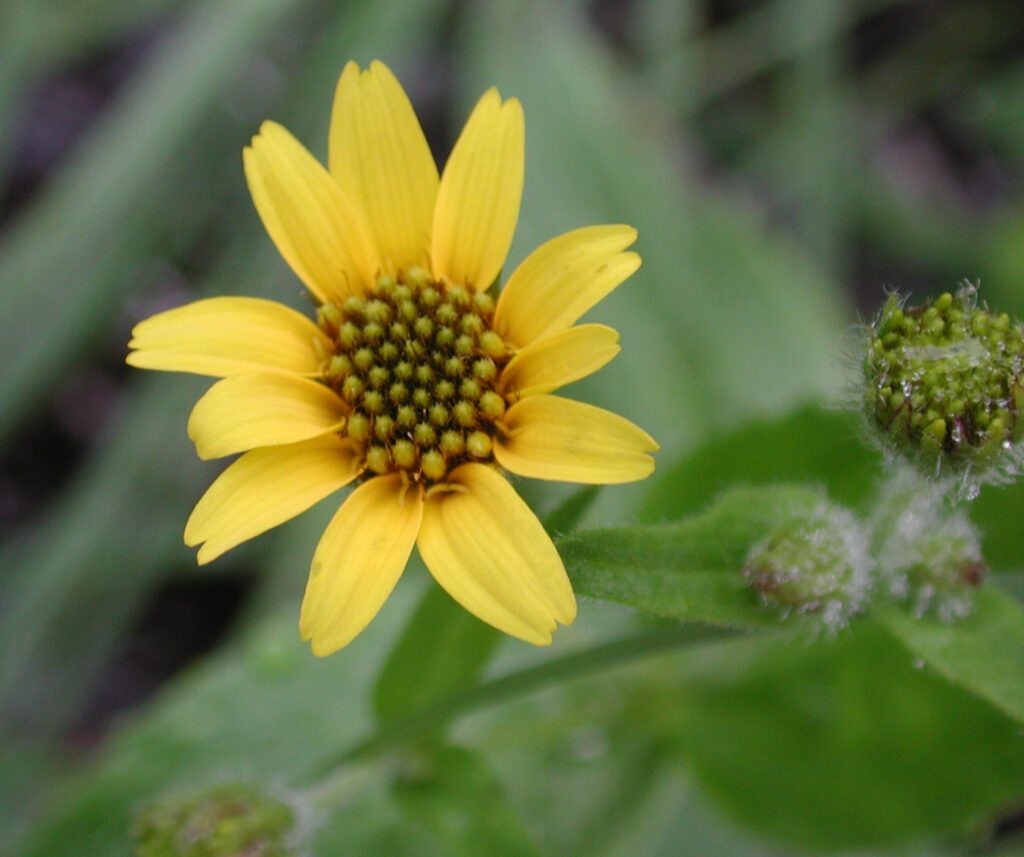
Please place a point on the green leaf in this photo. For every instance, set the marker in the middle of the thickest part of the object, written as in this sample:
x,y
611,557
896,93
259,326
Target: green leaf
x,y
983,652
997,512
688,570
845,743
451,792
267,712
811,443
566,516
443,649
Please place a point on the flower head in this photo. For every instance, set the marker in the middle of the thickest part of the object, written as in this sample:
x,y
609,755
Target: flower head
x,y
944,388
413,382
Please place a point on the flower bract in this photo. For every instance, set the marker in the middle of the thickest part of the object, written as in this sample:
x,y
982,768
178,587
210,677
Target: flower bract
x,y
413,382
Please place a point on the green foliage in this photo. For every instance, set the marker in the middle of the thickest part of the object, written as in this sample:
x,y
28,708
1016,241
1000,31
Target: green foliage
x,y
688,570
812,443
846,743
442,650
983,652
451,793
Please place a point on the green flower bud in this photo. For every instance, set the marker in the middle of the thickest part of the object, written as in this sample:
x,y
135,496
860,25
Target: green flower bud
x,y
352,388
464,345
221,821
928,555
424,327
452,443
378,376
470,389
483,303
444,337
464,413
377,459
373,401
404,454
484,369
471,325
385,285
424,434
478,444
358,426
943,386
329,316
418,277
364,358
349,335
493,345
816,564
492,405
446,314
377,312
406,416
434,465
459,296
383,427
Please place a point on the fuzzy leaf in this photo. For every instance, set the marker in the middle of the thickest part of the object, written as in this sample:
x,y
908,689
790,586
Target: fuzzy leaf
x,y
687,570
983,652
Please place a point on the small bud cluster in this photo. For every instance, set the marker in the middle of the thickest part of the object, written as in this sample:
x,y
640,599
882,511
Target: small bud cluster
x,y
928,556
418,363
815,564
221,821
944,382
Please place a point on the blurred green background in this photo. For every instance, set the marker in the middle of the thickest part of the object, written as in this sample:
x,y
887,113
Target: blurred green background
x,y
785,162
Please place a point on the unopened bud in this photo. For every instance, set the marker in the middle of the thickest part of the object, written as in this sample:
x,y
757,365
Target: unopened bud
x,y
944,386
928,556
815,564
221,821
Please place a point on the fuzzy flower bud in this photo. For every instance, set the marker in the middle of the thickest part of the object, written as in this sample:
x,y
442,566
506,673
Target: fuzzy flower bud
x,y
816,564
928,556
221,821
943,386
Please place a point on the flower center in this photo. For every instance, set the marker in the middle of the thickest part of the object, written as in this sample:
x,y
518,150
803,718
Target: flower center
x,y
418,363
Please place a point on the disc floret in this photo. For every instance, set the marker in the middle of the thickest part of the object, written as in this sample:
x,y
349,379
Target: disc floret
x,y
418,363
944,382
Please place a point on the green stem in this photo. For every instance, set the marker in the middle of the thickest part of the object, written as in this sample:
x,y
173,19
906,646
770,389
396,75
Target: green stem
x,y
518,683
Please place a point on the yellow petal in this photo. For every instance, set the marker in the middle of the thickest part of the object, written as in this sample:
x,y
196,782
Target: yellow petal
x,y
320,233
244,412
478,201
358,561
488,550
267,487
554,361
554,438
381,159
562,279
225,336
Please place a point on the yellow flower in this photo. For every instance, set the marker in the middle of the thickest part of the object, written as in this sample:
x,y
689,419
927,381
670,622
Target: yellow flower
x,y
413,382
